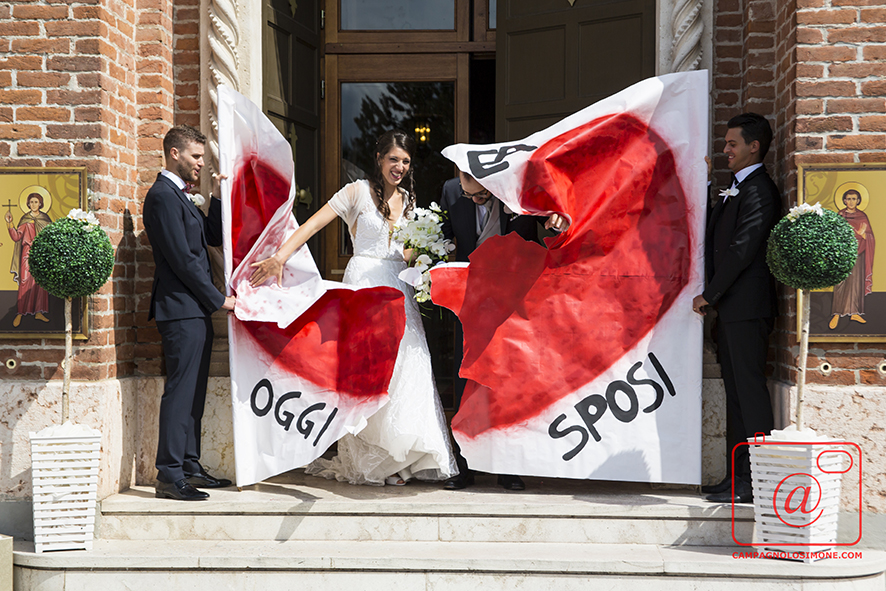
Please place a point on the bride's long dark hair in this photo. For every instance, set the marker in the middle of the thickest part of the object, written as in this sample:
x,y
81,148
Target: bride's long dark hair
x,y
387,142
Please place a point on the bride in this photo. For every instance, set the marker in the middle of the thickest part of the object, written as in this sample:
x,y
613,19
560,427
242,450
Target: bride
x,y
407,436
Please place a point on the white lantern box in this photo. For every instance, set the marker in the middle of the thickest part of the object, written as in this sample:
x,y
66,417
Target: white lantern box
x,y
64,469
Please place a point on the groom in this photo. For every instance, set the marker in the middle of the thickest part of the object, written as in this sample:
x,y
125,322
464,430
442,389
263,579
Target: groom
x,y
474,215
183,298
741,288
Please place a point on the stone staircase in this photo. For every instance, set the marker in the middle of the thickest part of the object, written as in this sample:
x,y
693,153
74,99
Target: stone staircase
x,y
301,532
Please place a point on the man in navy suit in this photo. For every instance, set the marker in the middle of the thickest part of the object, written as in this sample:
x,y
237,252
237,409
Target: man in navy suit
x,y
183,298
473,215
741,288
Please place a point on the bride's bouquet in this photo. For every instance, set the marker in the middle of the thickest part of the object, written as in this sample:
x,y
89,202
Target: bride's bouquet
x,y
423,233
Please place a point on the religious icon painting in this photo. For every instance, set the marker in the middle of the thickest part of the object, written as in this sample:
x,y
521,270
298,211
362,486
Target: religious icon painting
x,y
30,200
854,310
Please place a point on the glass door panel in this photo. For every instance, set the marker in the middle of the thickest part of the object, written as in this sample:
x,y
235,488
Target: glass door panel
x,y
368,109
397,15
373,23
424,109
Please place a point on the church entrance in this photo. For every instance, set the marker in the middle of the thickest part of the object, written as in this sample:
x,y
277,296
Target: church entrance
x,y
339,73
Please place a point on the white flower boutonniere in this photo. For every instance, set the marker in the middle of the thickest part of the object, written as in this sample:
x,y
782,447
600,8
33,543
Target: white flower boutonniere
x,y
197,199
730,192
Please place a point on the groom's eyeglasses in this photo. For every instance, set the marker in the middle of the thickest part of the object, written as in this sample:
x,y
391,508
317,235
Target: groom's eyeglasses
x,y
478,194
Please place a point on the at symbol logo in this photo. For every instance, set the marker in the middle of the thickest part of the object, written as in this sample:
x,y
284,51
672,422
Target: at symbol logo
x,y
792,504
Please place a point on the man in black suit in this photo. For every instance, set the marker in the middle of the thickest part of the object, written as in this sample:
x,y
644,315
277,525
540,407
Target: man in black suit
x,y
473,215
183,298
741,288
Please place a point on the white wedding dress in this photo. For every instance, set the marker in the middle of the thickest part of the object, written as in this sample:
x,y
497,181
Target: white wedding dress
x,y
408,434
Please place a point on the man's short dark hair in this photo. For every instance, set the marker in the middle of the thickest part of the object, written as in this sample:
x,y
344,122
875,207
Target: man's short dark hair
x,y
754,127
180,136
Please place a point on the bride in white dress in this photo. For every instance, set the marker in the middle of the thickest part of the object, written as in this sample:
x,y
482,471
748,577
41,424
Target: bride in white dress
x,y
407,437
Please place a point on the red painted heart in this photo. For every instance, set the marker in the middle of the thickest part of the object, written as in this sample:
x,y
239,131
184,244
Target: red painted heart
x,y
342,343
540,324
348,340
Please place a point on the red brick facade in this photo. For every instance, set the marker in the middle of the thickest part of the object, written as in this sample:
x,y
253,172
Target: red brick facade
x,y
815,68
68,97
841,117
98,82
156,114
92,83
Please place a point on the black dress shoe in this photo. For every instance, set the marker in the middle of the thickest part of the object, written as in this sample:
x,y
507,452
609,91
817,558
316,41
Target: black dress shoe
x,y
202,479
722,486
179,490
510,482
743,494
459,481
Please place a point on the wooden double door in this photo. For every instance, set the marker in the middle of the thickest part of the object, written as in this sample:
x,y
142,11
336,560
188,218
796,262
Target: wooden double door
x,y
337,73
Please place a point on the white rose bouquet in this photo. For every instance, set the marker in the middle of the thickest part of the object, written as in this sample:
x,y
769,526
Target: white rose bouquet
x,y
423,233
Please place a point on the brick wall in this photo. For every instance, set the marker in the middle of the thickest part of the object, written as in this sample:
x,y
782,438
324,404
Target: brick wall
x,y
744,68
815,68
156,103
187,63
750,75
95,83
841,117
67,98
785,149
98,83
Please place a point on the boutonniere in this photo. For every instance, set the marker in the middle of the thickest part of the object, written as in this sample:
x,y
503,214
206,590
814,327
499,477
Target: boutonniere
x,y
197,199
730,192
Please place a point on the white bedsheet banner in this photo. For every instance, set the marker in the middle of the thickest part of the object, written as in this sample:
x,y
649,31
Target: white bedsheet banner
x,y
311,360
585,360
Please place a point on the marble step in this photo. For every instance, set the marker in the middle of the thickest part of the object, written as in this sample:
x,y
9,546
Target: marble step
x,y
427,566
299,507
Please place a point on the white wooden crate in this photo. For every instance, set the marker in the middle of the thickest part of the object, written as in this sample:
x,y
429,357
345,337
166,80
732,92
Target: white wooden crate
x,y
65,477
804,533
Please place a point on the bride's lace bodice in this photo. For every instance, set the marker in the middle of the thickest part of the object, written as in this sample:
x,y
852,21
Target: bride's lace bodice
x,y
370,232
409,432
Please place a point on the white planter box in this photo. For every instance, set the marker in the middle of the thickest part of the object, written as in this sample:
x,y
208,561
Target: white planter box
x,y
779,468
65,478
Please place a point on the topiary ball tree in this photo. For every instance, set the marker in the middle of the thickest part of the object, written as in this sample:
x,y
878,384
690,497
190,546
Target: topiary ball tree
x,y
810,248
71,258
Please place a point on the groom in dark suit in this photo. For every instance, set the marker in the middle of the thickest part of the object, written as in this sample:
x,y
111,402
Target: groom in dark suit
x,y
741,288
473,215
183,298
